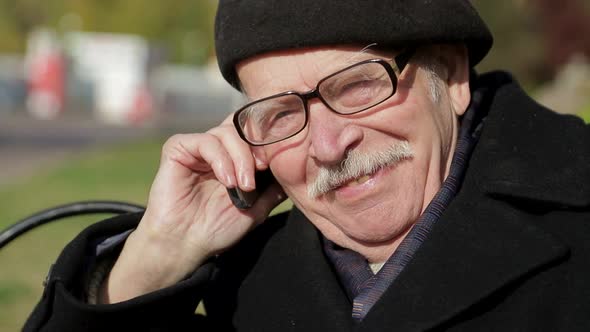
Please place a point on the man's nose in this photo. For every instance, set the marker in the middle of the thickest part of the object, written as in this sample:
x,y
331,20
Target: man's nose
x,y
331,134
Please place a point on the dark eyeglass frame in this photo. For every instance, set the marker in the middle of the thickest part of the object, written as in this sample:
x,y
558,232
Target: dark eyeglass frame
x,y
393,67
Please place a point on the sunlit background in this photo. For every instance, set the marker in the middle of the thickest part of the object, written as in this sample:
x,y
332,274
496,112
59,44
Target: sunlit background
x,y
89,89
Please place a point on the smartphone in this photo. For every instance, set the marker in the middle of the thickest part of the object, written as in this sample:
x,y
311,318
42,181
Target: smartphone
x,y
244,200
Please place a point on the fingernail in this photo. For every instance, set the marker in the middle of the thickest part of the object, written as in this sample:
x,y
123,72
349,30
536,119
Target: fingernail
x,y
246,181
229,181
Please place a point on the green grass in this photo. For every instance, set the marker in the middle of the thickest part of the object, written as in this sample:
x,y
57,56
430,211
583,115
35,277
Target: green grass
x,y
115,173
120,173
585,113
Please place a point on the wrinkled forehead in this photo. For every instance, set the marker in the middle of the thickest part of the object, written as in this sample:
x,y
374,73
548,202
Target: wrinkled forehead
x,y
300,69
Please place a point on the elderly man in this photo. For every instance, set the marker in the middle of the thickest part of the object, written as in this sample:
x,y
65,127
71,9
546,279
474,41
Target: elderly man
x,y
426,196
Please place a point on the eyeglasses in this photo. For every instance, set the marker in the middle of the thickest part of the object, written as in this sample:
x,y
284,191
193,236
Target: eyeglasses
x,y
351,90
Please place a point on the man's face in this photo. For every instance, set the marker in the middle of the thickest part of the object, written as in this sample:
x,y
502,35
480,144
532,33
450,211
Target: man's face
x,y
379,207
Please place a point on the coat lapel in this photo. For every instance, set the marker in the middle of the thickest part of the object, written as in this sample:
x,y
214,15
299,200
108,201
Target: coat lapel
x,y
467,257
292,286
530,153
311,281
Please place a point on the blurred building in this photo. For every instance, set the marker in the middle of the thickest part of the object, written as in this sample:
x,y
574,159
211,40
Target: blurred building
x,y
13,86
193,97
115,78
115,66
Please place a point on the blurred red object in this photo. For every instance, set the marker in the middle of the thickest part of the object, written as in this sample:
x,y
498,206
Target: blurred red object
x,y
142,108
46,95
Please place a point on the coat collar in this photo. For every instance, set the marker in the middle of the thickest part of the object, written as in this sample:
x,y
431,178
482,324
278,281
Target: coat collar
x,y
474,251
528,152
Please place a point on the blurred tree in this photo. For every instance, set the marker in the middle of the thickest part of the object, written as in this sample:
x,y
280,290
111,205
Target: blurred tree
x,y
184,27
517,46
532,38
16,20
565,27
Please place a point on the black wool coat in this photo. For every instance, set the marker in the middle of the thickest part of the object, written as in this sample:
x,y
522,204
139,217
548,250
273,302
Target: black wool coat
x,y
510,253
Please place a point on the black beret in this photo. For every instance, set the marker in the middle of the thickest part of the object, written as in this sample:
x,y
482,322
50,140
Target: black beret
x,y
245,28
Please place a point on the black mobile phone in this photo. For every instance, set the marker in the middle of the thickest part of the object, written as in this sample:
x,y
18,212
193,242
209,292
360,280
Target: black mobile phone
x,y
244,200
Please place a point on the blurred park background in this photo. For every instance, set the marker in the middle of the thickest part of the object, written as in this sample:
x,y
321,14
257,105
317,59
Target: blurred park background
x,y
89,89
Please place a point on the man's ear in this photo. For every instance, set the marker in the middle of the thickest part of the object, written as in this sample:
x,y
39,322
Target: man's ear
x,y
456,61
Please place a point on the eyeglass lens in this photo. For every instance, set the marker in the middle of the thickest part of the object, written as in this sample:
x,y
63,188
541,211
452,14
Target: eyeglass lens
x,y
349,91
273,119
357,88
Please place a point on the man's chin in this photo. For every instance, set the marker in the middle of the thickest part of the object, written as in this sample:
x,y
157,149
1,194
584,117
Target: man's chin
x,y
371,231
376,238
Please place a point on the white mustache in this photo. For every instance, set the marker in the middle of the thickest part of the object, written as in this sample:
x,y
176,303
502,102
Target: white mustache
x,y
355,165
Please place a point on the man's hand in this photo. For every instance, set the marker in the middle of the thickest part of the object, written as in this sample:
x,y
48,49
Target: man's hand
x,y
189,216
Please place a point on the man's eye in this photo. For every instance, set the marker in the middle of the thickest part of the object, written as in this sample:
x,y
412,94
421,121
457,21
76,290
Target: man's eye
x,y
356,92
279,118
356,86
282,114
280,123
